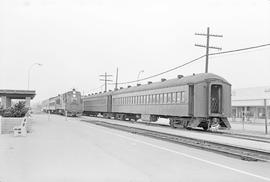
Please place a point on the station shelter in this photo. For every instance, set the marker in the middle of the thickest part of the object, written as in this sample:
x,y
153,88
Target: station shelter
x,y
7,96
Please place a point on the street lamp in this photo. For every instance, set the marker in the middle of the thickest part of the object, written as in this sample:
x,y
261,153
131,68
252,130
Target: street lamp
x,y
29,70
139,75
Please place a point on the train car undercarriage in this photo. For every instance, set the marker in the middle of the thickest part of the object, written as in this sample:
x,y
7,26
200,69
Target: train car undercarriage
x,y
174,122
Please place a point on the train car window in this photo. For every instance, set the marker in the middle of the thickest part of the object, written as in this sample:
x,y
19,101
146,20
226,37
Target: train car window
x,y
161,98
174,97
134,100
165,99
169,97
142,100
150,99
157,99
154,99
178,97
183,96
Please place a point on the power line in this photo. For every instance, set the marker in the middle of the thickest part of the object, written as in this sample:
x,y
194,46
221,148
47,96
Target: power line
x,y
105,80
172,69
189,62
207,35
237,50
96,88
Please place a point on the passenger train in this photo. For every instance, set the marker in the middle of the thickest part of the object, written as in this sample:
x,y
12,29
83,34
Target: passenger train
x,y
69,103
200,100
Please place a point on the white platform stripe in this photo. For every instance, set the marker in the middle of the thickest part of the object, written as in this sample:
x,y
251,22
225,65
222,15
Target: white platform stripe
x,y
187,155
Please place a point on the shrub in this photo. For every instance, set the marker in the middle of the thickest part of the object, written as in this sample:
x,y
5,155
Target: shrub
x,y
18,110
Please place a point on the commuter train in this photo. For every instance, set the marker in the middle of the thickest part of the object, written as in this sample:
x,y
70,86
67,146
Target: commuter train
x,y
201,100
69,103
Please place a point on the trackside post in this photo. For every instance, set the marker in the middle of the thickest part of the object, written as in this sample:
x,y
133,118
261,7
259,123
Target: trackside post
x,y
66,115
265,106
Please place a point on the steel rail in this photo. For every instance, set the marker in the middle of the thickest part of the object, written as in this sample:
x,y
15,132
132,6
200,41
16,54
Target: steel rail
x,y
243,153
219,133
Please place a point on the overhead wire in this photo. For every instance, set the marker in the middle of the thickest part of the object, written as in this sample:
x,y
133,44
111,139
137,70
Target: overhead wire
x,y
189,62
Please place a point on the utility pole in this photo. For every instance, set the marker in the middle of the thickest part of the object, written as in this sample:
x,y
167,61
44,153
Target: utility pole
x,y
105,79
116,79
208,35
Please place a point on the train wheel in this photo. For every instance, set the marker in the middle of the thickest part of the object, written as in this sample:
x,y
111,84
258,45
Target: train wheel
x,y
172,123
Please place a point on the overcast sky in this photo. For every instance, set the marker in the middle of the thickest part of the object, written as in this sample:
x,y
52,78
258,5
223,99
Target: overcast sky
x,y
77,40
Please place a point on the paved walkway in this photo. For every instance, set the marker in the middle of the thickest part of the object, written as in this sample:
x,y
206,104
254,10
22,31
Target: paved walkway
x,y
72,151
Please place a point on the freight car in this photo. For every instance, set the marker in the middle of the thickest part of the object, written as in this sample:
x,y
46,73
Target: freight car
x,y
69,102
201,100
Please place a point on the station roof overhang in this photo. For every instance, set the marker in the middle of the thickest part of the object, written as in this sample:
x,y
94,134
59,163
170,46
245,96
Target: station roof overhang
x,y
18,94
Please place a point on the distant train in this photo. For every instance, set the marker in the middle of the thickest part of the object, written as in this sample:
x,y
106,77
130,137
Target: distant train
x,y
201,100
69,102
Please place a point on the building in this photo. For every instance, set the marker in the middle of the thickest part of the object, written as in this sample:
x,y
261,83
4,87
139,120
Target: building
x,y
249,102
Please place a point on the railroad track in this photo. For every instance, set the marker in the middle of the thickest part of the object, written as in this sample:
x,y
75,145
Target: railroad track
x,y
220,133
248,154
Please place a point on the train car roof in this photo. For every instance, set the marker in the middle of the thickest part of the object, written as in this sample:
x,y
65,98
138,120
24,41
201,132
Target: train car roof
x,y
98,95
192,79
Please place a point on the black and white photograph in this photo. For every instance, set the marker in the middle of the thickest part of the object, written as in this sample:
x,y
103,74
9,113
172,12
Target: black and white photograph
x,y
134,90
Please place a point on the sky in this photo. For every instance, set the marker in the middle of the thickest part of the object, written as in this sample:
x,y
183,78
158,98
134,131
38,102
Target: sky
x,y
78,40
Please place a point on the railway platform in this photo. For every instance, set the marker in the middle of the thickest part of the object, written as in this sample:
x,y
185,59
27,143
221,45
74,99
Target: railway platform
x,y
207,136
67,150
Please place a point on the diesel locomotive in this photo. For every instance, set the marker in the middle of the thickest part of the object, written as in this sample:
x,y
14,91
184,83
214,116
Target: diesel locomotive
x,y
69,102
200,100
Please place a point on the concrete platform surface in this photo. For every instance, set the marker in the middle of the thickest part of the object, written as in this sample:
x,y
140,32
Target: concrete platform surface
x,y
63,151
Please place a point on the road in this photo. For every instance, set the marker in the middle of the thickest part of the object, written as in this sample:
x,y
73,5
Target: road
x,y
62,151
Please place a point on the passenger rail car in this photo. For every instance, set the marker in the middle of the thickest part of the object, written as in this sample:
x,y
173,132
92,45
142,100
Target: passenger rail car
x,y
201,100
70,102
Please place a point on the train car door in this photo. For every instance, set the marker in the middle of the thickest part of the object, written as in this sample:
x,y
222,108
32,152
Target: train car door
x,y
191,100
109,103
216,99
